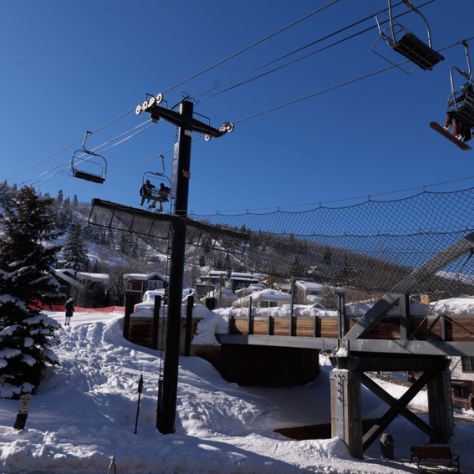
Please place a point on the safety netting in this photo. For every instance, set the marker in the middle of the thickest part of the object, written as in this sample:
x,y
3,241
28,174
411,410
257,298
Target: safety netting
x,y
367,249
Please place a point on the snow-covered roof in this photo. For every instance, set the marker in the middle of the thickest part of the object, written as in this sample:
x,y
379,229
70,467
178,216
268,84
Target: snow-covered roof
x,y
217,273
310,286
67,273
265,295
250,289
270,295
244,277
143,277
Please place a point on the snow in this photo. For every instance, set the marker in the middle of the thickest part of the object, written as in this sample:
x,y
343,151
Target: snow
x,y
310,286
12,299
84,414
143,277
9,353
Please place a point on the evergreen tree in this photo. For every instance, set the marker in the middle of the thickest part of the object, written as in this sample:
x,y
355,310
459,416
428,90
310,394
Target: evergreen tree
x,y
96,266
202,260
74,200
5,194
75,252
25,279
297,269
60,195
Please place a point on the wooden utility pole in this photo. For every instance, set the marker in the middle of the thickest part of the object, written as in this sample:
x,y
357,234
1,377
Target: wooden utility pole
x,y
181,174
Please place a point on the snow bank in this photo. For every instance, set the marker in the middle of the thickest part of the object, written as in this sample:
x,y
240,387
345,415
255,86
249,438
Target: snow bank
x,y
84,413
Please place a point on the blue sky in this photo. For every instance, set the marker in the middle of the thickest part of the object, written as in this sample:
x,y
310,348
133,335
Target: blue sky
x,y
71,66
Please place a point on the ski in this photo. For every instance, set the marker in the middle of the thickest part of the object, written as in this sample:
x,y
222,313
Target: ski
x,y
449,136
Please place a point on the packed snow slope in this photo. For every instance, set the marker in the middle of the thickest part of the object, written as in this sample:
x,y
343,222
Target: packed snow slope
x,y
84,414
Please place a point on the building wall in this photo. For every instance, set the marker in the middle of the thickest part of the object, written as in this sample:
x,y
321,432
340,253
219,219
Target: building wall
x,y
456,370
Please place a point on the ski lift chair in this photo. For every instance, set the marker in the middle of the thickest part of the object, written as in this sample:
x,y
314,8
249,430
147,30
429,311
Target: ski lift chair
x,y
154,193
408,45
461,101
81,166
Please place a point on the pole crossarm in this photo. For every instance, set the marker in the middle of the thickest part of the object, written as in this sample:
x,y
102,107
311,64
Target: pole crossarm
x,y
441,260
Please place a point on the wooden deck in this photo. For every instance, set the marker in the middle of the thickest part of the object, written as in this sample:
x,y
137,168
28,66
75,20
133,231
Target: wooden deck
x,y
423,329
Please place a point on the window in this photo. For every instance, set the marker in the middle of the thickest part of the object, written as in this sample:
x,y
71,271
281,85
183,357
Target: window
x,y
263,304
273,304
129,285
467,364
154,284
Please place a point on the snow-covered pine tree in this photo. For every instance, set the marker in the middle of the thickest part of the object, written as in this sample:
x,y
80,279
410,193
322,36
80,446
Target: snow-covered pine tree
x,y
26,335
74,252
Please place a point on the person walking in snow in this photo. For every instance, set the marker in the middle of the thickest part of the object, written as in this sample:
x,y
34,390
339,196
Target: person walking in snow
x,y
69,311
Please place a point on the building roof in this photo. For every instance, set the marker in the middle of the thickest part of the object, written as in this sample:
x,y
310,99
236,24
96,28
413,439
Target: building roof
x,y
244,277
143,277
310,286
98,277
265,295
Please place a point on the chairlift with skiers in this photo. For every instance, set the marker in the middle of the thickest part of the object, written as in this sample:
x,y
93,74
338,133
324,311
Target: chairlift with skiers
x,y
460,110
156,187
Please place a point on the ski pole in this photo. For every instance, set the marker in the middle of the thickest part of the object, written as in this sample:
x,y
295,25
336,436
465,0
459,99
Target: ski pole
x,y
140,388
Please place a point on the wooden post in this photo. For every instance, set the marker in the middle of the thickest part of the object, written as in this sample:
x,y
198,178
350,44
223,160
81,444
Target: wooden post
x,y
249,322
291,305
220,289
156,323
341,315
270,326
440,405
189,325
404,304
129,303
346,415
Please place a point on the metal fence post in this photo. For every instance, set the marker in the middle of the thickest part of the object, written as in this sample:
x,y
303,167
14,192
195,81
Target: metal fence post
x,y
189,325
341,316
129,303
249,322
156,323
292,305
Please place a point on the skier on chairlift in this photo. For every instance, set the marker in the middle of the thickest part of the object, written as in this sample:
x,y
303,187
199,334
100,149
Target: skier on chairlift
x,y
461,131
163,192
146,192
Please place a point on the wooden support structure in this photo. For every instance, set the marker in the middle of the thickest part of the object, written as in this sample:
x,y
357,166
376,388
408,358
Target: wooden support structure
x,y
346,414
440,406
348,374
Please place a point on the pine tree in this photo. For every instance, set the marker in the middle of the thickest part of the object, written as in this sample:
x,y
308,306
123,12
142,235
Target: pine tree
x,y
25,265
96,267
60,195
74,252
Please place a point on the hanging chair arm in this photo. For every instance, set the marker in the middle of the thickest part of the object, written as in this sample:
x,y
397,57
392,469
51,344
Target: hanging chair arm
x,y
410,5
466,47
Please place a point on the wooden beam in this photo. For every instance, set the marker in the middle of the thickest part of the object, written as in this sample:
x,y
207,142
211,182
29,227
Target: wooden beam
x,y
395,410
389,400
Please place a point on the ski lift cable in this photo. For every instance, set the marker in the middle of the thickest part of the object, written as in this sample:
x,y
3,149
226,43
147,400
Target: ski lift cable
x,y
69,146
86,159
337,86
251,46
224,60
299,50
284,105
132,166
